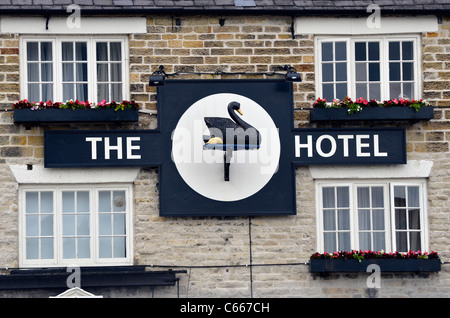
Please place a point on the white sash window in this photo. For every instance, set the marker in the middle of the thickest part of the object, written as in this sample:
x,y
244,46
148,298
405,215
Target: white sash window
x,y
65,68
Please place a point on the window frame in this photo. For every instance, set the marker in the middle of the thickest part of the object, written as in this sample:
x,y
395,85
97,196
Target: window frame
x,y
389,215
384,61
58,62
94,259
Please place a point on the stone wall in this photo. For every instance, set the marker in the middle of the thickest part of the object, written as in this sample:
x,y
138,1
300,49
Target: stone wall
x,y
216,252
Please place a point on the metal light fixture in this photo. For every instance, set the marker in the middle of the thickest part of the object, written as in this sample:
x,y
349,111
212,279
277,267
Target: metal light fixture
x,y
292,75
158,78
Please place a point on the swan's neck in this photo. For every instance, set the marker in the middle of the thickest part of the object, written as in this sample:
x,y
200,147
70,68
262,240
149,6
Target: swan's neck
x,y
237,119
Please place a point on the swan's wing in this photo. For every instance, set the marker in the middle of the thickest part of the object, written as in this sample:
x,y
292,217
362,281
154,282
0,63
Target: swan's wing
x,y
220,123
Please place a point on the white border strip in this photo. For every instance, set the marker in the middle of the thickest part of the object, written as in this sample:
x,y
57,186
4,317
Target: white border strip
x,y
413,169
41,175
62,25
363,26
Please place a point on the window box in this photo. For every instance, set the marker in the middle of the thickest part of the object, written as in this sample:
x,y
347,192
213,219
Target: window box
x,y
28,116
372,113
386,265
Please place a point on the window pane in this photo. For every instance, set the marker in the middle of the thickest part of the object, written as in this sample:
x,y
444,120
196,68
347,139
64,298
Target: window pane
x,y
105,227
103,92
115,51
414,219
341,91
32,51
329,242
377,197
328,91
329,221
400,219
81,51
68,92
46,202
119,201
344,241
378,220
46,225
407,51
414,241
116,72
344,219
119,247
395,90
102,72
116,94
69,224
327,72
363,197
413,196
104,201
82,75
374,72
399,196
327,51
84,248
379,242
119,224
105,247
67,72
47,92
340,51
68,247
375,91
32,248
374,51
102,51
394,51
46,72
68,201
83,201
408,74
361,90
341,71
33,93
394,71
82,92
32,225
83,227
401,241
343,197
361,72
46,248
328,199
33,72
32,202
360,51
67,51
365,241
364,219
46,51
408,90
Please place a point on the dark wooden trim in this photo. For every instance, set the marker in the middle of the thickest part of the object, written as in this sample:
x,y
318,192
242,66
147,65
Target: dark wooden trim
x,y
28,116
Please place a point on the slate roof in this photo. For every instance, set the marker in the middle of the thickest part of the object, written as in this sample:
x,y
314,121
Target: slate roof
x,y
292,6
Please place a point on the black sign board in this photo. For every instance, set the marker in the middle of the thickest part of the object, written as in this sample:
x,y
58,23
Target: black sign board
x,y
349,146
212,160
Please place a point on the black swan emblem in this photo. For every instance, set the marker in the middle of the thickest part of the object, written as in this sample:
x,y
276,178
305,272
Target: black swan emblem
x,y
230,135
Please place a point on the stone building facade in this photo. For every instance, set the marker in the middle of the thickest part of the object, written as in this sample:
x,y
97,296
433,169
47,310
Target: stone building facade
x,y
260,256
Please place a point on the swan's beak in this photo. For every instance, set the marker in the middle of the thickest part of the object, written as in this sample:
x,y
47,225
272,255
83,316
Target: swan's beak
x,y
215,140
240,111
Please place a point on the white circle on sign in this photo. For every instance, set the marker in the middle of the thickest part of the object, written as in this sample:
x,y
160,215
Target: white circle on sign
x,y
203,169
